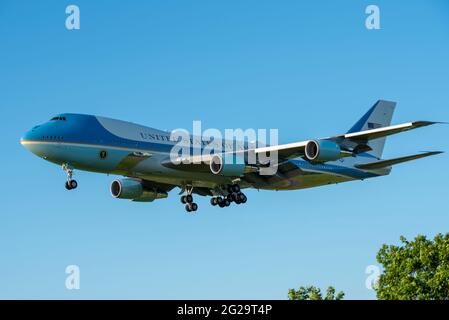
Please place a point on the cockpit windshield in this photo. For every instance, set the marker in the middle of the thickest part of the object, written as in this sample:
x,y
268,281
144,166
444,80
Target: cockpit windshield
x,y
58,119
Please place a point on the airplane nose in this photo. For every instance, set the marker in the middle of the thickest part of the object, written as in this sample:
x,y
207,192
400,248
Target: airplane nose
x,y
30,135
26,138
30,142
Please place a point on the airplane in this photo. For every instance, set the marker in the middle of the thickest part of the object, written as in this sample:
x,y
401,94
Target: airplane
x,y
142,156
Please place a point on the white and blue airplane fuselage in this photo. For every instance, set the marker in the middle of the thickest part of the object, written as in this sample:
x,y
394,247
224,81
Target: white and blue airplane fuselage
x,y
142,155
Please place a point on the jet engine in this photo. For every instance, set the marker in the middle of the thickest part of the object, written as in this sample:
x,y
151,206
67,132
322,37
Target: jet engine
x,y
134,190
230,166
322,151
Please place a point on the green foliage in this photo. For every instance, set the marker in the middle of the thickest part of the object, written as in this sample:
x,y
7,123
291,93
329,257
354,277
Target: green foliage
x,y
416,270
313,293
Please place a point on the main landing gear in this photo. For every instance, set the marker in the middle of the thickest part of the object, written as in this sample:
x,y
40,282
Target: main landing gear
x,y
188,200
70,183
232,192
234,195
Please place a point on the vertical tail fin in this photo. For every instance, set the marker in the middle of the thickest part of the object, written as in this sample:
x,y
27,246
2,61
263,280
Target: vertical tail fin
x,y
378,116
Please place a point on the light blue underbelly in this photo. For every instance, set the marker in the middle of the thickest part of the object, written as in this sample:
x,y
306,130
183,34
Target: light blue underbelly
x,y
83,157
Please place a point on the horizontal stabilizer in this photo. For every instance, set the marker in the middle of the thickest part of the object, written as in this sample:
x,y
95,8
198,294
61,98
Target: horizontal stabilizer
x,y
390,162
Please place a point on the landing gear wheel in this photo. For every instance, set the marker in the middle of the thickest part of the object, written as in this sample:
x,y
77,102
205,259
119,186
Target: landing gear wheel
x,y
73,184
183,199
190,207
226,203
213,201
189,198
221,202
235,188
244,199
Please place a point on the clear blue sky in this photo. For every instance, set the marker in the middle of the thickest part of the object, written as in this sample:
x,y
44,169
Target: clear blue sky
x,y
308,68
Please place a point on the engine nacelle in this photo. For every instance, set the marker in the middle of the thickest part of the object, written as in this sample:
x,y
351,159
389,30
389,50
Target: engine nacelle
x,y
231,166
322,151
134,190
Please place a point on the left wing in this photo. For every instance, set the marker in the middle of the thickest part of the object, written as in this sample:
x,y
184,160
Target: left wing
x,y
381,132
349,141
285,151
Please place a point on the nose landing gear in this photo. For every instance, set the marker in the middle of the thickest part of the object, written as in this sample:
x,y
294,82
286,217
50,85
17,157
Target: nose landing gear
x,y
70,184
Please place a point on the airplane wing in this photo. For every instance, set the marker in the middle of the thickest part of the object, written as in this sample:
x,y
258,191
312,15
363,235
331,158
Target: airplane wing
x,y
390,162
355,141
382,132
285,151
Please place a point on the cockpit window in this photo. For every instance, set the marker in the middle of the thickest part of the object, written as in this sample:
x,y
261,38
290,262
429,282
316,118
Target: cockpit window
x,y
58,119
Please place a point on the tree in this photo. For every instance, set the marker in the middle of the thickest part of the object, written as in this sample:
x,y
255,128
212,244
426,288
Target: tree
x,y
417,269
313,293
